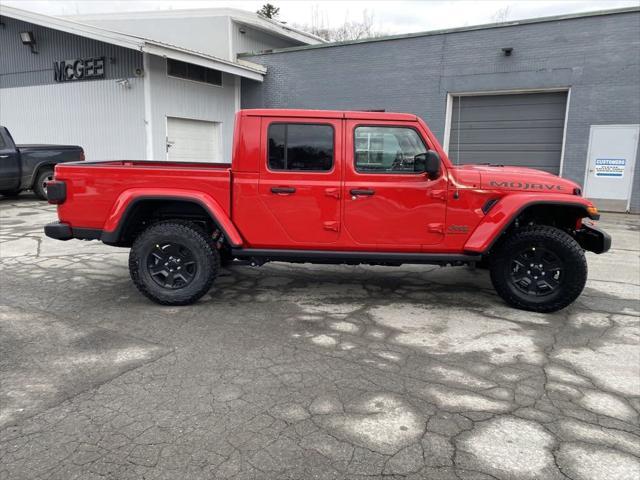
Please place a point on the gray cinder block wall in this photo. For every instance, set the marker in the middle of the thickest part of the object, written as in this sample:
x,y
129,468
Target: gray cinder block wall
x,y
597,56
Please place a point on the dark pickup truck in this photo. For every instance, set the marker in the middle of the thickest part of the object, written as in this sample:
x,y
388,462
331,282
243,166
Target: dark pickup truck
x,y
30,167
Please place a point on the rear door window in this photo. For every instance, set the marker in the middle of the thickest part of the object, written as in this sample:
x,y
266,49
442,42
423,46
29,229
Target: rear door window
x,y
300,147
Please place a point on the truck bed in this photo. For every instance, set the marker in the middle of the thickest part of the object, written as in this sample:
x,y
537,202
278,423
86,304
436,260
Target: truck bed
x,y
107,190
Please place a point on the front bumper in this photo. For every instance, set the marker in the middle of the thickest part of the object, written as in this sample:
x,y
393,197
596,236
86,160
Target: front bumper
x,y
593,239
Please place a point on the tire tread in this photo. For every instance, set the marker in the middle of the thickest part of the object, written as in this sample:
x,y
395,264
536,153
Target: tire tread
x,y
541,233
181,227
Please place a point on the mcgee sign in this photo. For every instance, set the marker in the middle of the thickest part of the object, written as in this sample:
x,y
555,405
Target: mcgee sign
x,y
80,69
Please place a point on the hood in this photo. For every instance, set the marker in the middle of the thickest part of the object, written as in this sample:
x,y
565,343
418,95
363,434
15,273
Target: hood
x,y
520,179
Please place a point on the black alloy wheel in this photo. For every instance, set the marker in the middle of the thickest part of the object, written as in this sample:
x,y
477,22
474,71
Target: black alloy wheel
x,y
538,268
173,262
536,271
171,265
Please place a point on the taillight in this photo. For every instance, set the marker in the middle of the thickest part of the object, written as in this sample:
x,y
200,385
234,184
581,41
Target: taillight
x,y
56,192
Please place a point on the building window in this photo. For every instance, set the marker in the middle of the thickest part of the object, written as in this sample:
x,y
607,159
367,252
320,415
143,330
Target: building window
x,y
296,146
386,149
196,73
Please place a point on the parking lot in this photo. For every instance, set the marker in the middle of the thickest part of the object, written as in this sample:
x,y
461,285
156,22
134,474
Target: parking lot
x,y
304,372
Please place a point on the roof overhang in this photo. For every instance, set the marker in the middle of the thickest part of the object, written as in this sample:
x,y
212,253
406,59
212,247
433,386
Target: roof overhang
x,y
242,68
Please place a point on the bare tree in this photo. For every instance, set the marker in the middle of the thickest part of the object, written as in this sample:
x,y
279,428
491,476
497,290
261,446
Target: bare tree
x,y
501,15
349,30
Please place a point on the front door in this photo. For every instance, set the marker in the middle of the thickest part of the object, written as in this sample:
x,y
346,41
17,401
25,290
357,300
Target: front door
x,y
386,203
9,167
300,181
610,165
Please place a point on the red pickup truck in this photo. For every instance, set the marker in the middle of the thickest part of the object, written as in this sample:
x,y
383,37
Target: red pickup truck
x,y
332,187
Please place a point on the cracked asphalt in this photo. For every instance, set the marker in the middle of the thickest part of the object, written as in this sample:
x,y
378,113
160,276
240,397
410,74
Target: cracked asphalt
x,y
310,372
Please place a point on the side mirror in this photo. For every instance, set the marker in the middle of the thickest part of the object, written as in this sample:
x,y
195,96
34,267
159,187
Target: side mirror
x,y
428,162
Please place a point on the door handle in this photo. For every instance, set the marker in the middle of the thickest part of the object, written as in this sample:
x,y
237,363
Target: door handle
x,y
4,156
281,190
356,192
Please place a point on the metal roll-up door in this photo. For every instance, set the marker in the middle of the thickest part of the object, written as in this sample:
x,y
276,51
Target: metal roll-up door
x,y
524,130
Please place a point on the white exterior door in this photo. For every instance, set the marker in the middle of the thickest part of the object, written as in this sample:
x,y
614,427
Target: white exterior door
x,y
193,140
610,163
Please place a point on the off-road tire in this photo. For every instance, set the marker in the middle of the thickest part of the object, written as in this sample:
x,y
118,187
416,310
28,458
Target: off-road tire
x,y
226,259
562,245
43,176
190,237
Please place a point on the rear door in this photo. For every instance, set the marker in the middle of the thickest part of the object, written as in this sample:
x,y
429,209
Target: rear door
x,y
9,164
300,175
387,204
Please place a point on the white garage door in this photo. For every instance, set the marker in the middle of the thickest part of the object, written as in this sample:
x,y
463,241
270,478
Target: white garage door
x,y
193,140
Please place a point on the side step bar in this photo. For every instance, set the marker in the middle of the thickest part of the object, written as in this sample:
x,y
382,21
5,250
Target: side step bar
x,y
258,256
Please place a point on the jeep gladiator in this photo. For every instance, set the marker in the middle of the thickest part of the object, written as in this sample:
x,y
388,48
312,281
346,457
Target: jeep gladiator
x,y
332,187
30,167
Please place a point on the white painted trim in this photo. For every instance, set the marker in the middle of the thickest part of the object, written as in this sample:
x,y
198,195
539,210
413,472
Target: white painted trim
x,y
230,27
451,95
564,133
634,156
166,137
148,112
238,90
509,92
447,123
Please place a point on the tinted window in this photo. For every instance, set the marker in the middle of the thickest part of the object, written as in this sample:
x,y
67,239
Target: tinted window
x,y
2,144
386,149
295,146
192,72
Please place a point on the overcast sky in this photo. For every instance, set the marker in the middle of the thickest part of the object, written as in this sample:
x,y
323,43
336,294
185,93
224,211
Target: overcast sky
x,y
390,17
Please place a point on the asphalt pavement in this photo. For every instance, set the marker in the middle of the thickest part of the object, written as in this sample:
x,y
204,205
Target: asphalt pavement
x,y
310,372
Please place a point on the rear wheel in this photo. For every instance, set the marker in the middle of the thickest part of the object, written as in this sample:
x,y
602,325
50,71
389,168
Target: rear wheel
x,y
173,263
539,268
40,185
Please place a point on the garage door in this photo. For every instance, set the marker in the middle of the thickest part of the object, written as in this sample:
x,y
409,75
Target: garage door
x,y
193,140
524,129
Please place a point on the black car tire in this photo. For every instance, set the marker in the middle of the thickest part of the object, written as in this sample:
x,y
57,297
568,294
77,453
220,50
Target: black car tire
x,y
169,285
43,177
539,268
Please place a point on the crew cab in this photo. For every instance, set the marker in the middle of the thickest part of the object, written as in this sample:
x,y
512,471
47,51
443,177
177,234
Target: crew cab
x,y
332,187
30,167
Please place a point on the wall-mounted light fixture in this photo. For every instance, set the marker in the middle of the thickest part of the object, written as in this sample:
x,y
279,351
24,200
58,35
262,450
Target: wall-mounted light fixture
x,y
507,51
242,30
27,38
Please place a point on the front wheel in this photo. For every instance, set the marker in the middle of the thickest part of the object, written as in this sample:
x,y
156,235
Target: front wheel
x,y
173,263
539,268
